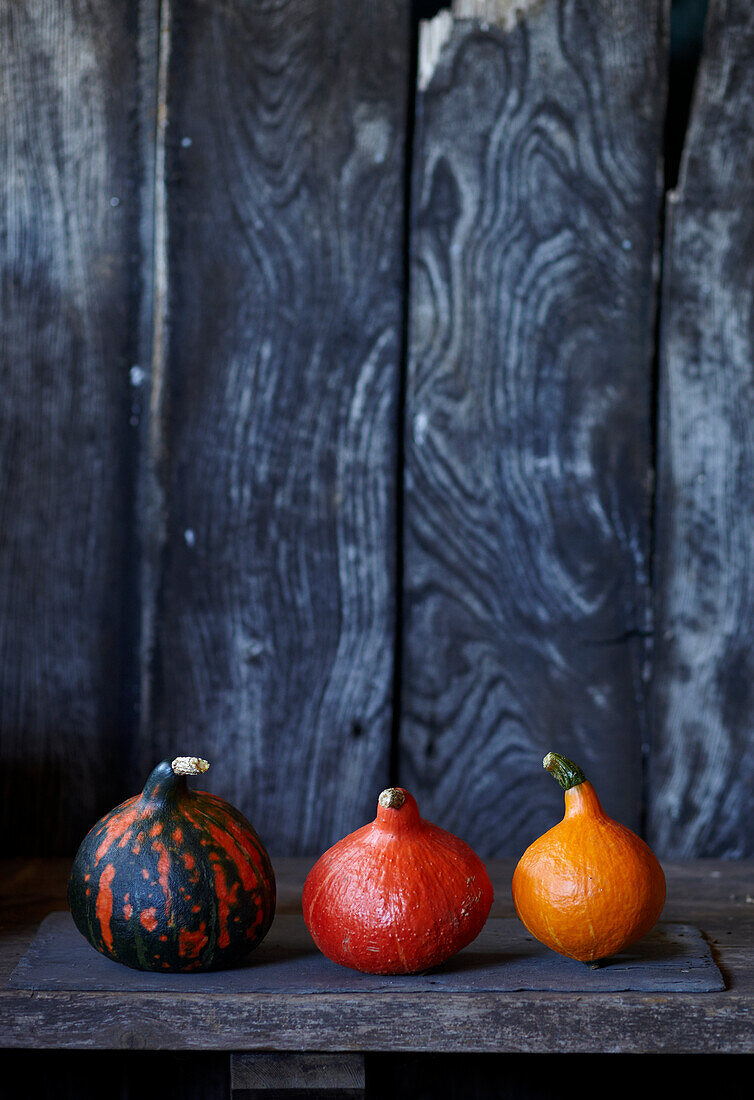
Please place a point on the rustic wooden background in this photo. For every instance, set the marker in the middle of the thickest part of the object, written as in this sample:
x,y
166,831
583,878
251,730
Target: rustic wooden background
x,y
377,408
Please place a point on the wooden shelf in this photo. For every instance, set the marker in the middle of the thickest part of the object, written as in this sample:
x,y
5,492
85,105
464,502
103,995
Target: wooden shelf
x,y
712,895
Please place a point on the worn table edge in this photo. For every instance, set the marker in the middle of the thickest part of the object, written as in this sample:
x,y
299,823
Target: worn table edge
x,y
525,1022
712,895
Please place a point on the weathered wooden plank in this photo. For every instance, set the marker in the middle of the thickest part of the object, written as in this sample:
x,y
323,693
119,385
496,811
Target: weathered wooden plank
x,y
275,612
69,261
702,773
262,1073
556,1023
528,410
711,894
149,376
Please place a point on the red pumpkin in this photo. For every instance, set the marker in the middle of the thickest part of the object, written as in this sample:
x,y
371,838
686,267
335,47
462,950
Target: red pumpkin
x,y
399,895
173,879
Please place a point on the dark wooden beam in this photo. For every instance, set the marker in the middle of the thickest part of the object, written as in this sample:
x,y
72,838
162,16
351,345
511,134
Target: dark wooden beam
x,y
296,1076
702,767
71,141
528,446
274,621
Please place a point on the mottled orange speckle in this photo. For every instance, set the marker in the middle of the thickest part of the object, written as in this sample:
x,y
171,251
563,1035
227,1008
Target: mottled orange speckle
x,y
223,900
231,841
116,827
191,943
163,866
104,904
148,918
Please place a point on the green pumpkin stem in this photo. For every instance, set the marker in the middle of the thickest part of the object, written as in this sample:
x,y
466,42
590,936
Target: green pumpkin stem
x,y
168,780
564,770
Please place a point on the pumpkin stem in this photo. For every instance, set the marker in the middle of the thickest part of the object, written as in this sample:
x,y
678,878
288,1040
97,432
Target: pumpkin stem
x,y
564,770
189,765
392,798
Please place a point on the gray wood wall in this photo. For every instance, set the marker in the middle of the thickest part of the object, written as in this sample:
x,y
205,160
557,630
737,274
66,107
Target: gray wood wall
x,y
370,415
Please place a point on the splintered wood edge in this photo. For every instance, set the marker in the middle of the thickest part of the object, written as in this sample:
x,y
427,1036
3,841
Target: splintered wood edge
x,y
435,33
502,13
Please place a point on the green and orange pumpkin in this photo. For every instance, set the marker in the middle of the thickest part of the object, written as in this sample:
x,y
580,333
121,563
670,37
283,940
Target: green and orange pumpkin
x,y
173,879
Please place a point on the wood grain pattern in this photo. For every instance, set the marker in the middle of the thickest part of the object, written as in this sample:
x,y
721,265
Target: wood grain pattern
x,y
528,423
69,255
702,773
543,1023
263,1072
275,615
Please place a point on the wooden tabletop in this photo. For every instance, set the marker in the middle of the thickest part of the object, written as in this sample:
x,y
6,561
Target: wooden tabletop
x,y
717,897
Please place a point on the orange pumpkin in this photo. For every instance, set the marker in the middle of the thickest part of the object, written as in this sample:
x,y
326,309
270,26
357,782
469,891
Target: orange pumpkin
x,y
589,886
